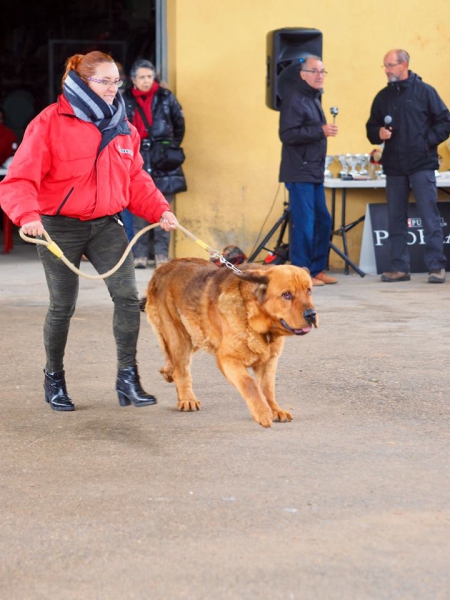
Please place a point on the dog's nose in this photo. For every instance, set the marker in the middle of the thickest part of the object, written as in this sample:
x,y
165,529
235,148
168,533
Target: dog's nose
x,y
309,315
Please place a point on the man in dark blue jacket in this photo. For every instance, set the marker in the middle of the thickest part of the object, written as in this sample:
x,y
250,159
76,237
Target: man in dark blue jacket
x,y
303,132
409,117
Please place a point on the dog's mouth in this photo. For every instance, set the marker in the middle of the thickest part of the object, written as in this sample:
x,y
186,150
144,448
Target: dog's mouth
x,y
303,331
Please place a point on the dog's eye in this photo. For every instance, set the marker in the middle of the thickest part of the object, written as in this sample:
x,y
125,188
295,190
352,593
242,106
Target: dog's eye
x,y
287,295
309,291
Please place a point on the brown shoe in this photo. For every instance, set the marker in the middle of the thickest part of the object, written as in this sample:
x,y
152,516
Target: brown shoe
x,y
392,276
317,282
325,278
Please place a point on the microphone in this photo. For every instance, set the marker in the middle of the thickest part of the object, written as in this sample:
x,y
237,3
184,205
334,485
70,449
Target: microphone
x,y
334,111
387,122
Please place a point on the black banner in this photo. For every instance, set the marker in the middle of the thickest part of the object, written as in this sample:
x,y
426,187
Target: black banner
x,y
416,241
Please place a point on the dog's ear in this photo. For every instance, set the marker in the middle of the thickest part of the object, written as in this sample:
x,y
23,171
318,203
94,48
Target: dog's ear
x,y
260,291
254,277
261,280
306,269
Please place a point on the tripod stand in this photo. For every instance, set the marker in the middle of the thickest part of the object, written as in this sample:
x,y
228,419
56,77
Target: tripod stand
x,y
283,223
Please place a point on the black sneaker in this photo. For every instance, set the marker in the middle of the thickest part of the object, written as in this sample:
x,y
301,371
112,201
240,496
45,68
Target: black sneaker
x,y
436,276
392,276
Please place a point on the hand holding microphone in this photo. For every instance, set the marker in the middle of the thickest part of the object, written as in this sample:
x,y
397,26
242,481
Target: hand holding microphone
x,y
330,129
386,131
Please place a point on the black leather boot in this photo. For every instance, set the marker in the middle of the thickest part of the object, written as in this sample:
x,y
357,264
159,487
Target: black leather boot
x,y
55,391
129,388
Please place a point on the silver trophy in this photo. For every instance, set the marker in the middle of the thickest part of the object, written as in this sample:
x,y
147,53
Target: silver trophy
x,y
343,174
353,161
328,161
379,173
363,163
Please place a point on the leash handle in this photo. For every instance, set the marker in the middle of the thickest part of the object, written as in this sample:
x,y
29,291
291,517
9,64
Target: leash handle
x,y
56,250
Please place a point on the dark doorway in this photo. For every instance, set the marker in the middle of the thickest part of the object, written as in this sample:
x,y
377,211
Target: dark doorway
x,y
36,39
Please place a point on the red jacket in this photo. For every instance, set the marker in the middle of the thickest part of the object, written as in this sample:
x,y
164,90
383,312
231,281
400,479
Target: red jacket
x,y
56,171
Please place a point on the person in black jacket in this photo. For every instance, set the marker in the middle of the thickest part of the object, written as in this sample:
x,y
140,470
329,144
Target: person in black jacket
x,y
303,131
158,116
410,118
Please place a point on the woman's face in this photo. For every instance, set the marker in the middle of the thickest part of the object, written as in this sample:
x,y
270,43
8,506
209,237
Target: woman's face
x,y
144,79
104,82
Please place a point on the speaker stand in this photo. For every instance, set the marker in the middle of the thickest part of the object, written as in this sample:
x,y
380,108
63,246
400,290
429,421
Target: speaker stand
x,y
283,223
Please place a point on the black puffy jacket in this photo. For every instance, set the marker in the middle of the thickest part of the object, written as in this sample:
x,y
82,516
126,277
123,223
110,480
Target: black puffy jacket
x,y
420,122
304,143
168,124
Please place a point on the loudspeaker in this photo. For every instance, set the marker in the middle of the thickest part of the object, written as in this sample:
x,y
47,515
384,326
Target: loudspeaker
x,y
286,50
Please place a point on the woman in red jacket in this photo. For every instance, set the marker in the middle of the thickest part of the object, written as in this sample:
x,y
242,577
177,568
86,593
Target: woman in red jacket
x,y
77,167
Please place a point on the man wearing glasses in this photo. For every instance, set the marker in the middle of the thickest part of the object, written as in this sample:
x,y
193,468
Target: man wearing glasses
x,y
303,132
410,118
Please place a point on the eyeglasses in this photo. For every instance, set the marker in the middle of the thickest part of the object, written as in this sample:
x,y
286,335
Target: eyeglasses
x,y
118,82
315,72
390,65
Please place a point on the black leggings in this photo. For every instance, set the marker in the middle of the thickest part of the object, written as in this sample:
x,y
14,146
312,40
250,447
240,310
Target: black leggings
x,y
103,241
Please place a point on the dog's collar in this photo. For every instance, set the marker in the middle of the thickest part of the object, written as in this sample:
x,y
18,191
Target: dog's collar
x,y
303,331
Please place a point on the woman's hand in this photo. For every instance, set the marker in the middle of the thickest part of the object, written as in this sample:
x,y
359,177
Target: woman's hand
x,y
168,221
34,228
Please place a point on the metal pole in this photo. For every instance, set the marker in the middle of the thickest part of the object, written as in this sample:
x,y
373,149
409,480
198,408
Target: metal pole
x,y
161,39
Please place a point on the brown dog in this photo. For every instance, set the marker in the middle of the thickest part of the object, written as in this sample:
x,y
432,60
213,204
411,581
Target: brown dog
x,y
192,304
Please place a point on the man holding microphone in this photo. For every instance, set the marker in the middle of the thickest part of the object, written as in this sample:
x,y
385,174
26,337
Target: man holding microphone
x,y
410,118
303,132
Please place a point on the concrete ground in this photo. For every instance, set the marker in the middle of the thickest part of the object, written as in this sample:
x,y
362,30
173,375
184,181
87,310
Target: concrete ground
x,y
349,501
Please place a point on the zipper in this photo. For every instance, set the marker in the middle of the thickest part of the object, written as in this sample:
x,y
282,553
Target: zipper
x,y
63,202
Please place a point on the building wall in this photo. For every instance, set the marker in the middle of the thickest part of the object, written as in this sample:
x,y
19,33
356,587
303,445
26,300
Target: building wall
x,y
217,70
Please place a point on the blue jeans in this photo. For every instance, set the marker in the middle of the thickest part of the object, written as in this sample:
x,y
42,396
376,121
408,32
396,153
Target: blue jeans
x,y
161,238
310,226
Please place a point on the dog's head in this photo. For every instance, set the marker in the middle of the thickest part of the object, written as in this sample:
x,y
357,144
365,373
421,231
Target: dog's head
x,y
283,300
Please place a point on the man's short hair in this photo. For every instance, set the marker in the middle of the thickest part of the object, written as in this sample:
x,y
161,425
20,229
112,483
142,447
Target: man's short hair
x,y
402,56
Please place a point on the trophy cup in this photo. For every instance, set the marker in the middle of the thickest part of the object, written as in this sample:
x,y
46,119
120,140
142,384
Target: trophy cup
x,y
328,161
343,174
379,173
374,160
352,161
363,162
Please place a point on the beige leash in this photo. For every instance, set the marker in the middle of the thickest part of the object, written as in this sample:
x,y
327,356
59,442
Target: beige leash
x,y
56,250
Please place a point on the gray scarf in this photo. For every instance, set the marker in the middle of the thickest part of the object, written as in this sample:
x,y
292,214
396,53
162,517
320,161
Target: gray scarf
x,y
88,106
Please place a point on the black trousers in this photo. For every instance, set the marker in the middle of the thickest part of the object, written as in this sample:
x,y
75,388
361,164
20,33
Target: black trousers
x,y
423,185
103,241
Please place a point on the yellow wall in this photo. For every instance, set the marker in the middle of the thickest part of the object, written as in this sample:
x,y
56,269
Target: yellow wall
x,y
217,70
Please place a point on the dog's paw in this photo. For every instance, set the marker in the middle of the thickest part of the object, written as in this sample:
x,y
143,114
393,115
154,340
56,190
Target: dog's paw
x,y
264,418
283,416
189,405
